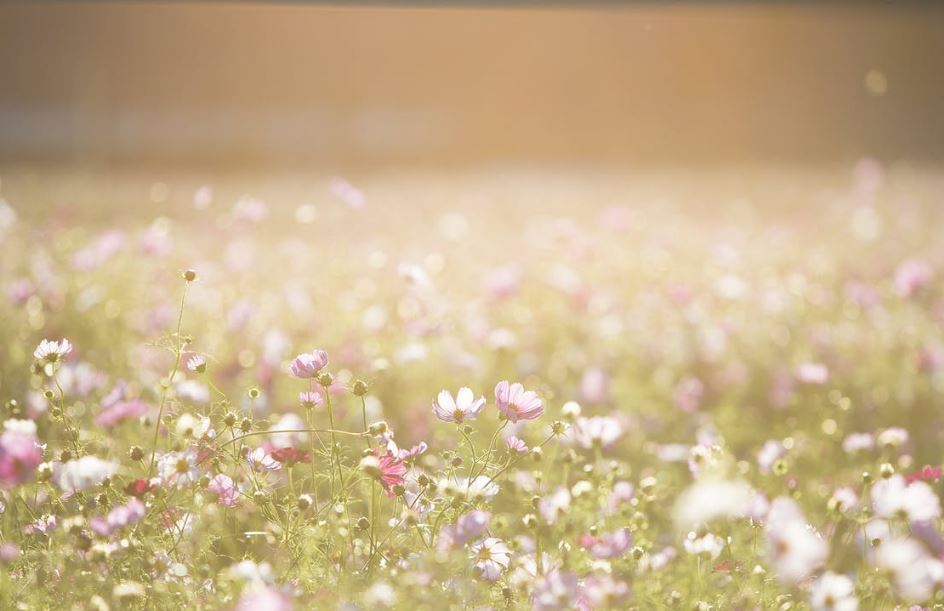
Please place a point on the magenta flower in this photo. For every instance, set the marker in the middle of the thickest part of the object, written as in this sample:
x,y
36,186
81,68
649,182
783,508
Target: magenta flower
x,y
464,407
516,403
308,365
392,471
20,453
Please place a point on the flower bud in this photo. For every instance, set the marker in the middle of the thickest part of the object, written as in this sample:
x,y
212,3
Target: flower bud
x,y
189,275
304,502
136,453
359,388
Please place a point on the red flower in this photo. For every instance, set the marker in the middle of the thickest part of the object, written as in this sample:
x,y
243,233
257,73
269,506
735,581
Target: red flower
x,y
139,487
290,456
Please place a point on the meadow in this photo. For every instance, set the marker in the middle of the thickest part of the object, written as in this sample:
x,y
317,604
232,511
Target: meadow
x,y
500,389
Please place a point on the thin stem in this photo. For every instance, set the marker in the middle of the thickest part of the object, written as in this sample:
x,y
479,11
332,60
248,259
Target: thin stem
x,y
170,380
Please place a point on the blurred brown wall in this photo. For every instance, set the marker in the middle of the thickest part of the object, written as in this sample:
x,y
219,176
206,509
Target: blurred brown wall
x,y
288,84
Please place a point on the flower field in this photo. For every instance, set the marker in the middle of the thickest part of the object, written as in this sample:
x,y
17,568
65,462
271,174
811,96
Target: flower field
x,y
492,390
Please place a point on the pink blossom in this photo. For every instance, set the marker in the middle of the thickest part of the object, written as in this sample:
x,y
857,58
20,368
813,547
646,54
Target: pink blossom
x,y
392,471
264,598
516,403
308,365
607,545
225,490
20,454
516,445
688,394
121,411
912,276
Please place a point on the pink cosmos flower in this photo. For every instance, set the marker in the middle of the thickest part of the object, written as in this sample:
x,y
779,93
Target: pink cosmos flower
x,y
20,453
516,403
264,598
121,411
310,398
688,394
52,351
516,445
392,471
464,407
912,276
404,455
607,545
308,365
225,490
44,524
119,517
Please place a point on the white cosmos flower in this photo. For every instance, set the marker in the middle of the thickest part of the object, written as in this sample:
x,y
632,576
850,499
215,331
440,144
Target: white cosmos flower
x,y
178,468
600,431
555,505
832,592
708,544
83,473
464,407
711,499
479,487
52,351
491,557
894,497
910,567
794,548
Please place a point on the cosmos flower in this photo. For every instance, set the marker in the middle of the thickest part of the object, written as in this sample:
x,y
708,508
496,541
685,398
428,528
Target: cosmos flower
x,y
310,398
910,567
386,468
309,364
83,473
122,410
20,452
464,407
491,557
894,497
52,351
832,592
264,598
121,516
516,446
556,591
178,469
794,549
602,431
223,486
515,403
197,363
607,545
708,544
260,460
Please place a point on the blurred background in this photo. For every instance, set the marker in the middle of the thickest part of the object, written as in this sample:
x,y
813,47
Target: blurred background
x,y
345,88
